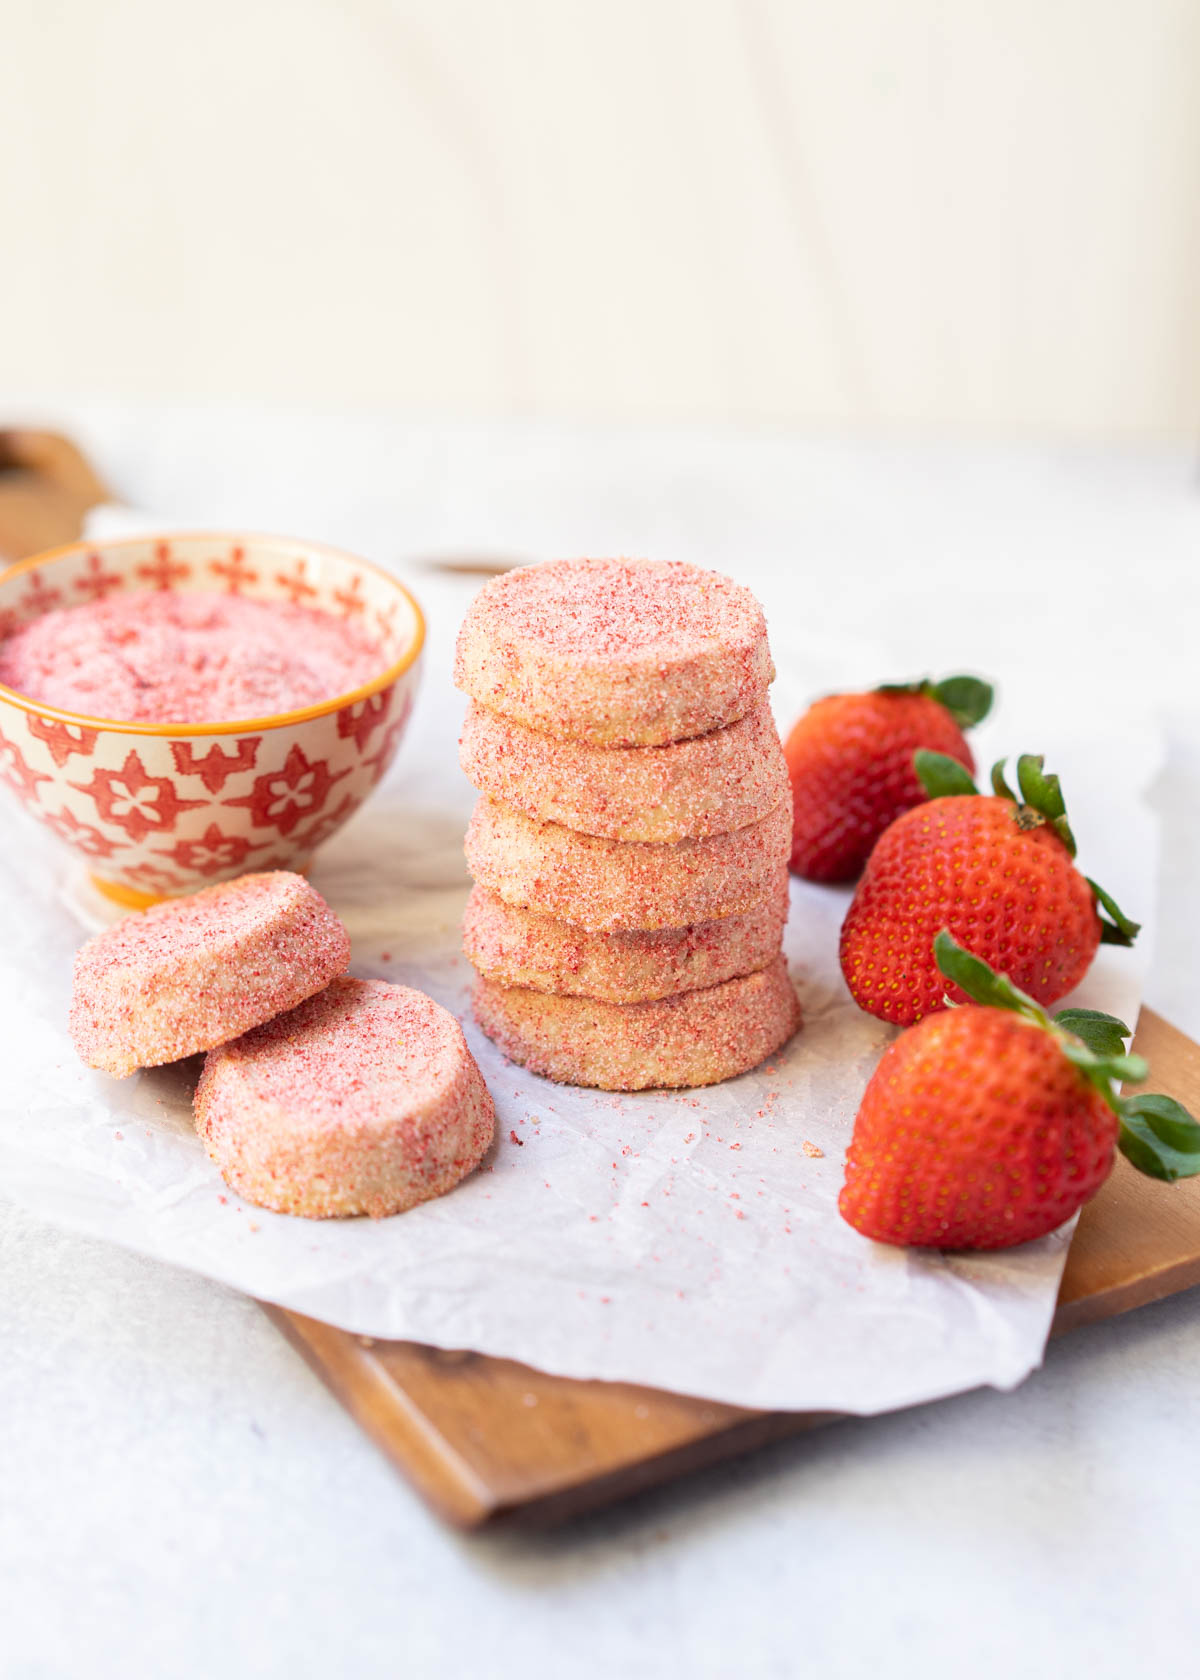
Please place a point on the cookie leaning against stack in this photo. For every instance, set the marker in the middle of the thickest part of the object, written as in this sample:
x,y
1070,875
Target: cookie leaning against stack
x,y
630,851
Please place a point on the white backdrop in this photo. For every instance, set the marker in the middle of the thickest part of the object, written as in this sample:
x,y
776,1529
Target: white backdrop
x,y
916,212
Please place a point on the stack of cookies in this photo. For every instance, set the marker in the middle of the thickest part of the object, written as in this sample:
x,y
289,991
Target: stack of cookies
x,y
630,849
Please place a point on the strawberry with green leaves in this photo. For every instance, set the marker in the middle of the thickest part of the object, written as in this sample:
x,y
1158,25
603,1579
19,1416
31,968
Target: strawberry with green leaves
x,y
998,871
987,1127
850,759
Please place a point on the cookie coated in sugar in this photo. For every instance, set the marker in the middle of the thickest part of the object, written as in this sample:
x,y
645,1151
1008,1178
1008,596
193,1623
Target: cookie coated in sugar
x,y
708,784
695,1038
624,885
615,653
518,947
190,973
364,1100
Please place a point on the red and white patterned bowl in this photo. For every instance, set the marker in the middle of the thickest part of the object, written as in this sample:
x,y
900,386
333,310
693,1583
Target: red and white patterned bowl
x,y
160,809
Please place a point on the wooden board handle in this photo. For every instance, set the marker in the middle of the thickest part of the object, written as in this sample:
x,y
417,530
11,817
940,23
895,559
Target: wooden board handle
x,y
47,488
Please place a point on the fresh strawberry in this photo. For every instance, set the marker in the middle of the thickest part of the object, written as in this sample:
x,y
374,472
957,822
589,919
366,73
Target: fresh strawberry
x,y
983,1128
850,758
998,872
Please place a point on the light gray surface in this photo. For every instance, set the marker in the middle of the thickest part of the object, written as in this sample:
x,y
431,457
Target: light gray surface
x,y
182,1498
179,1496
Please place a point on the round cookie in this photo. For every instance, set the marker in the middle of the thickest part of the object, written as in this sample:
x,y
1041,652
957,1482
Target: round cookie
x,y
616,653
619,885
190,973
365,1099
522,948
708,784
696,1038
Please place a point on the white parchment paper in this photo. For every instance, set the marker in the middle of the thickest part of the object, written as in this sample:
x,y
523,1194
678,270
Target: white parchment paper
x,y
684,1240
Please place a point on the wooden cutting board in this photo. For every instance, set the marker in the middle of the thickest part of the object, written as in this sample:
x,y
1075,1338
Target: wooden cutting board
x,y
487,1441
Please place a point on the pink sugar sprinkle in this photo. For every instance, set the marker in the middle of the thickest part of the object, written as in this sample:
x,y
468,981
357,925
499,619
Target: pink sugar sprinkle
x,y
707,785
615,652
172,657
360,1052
595,609
363,1099
193,972
179,927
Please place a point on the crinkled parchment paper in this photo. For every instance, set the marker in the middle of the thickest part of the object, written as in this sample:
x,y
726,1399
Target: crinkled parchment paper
x,y
687,1240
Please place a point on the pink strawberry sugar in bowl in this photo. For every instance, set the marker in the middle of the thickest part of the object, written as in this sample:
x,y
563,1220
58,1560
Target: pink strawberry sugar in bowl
x,y
157,805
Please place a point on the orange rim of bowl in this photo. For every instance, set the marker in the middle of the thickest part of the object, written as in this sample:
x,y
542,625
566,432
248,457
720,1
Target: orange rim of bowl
x,y
236,726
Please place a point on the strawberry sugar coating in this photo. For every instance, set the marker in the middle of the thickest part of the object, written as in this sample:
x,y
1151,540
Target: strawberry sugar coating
x,y
615,652
187,657
975,1132
190,973
708,784
518,947
1011,895
614,885
692,1038
850,760
363,1100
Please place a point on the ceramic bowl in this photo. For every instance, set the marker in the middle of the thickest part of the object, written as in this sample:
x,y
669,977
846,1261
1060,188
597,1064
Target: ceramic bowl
x,y
155,810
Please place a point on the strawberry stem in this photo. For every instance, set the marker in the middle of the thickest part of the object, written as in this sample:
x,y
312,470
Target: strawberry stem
x,y
940,775
1157,1135
1043,794
967,699
981,982
1102,1033
1120,930
1042,801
